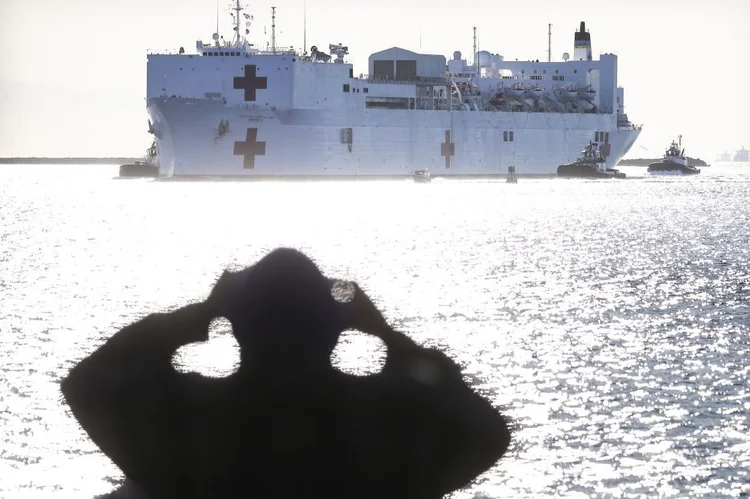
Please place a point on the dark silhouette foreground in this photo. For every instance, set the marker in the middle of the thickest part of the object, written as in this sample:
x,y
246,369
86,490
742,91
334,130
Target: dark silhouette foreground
x,y
286,424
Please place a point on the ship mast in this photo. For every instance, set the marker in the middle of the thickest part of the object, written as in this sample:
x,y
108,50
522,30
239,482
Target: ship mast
x,y
238,9
476,63
549,43
273,29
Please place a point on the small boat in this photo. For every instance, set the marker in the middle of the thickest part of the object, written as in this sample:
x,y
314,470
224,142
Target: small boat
x,y
511,178
674,161
146,167
421,176
587,93
534,92
590,164
567,93
514,91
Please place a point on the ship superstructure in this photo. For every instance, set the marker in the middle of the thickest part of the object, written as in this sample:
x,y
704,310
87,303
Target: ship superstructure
x,y
234,109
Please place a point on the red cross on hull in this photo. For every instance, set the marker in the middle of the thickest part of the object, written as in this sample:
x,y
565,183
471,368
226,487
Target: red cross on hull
x,y
448,149
250,148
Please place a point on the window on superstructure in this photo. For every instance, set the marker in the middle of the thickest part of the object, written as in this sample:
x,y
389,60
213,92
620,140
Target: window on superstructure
x,y
365,90
505,136
346,87
510,136
536,77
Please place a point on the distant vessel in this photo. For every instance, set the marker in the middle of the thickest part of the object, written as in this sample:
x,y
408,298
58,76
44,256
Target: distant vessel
x,y
421,176
725,156
590,164
742,156
674,161
146,167
234,109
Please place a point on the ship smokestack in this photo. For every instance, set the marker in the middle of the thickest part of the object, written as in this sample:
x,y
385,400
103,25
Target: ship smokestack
x,y
582,44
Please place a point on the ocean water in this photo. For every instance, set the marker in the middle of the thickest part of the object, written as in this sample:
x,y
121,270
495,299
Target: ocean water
x,y
609,319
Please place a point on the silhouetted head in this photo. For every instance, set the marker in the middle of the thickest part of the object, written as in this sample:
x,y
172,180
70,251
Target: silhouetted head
x,y
282,310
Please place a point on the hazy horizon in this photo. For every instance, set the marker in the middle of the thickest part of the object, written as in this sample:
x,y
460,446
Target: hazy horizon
x,y
79,88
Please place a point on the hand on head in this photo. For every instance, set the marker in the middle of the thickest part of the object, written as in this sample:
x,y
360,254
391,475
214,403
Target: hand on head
x,y
285,298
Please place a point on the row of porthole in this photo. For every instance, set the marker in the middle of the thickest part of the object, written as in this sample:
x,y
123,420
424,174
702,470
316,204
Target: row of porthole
x,y
223,54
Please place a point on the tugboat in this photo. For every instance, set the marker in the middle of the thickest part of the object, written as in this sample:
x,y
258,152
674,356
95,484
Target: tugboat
x,y
421,176
511,178
674,161
146,167
590,164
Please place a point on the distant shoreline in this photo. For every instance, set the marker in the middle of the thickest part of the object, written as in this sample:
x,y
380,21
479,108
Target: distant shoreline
x,y
646,162
67,161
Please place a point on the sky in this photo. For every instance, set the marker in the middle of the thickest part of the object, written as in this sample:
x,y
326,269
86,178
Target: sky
x,y
73,72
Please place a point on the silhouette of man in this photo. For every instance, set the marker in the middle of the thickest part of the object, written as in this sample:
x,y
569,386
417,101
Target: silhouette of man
x,y
286,424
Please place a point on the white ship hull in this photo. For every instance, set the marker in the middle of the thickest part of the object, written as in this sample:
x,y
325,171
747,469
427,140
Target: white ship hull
x,y
315,142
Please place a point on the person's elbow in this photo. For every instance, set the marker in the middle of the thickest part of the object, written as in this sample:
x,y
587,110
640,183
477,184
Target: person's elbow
x,y
75,387
485,441
492,442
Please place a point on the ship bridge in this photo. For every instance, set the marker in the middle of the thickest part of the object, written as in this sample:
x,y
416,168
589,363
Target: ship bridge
x,y
222,48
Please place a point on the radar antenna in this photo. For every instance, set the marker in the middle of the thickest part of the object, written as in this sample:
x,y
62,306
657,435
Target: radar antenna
x,y
339,51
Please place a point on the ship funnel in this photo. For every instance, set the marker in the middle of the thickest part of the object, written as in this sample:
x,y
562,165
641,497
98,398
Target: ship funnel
x,y
582,44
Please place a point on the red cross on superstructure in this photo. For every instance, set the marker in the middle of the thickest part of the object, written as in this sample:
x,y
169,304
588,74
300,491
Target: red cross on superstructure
x,y
250,148
250,82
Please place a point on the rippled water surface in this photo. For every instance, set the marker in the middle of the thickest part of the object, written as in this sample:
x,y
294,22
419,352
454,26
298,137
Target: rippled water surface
x,y
609,319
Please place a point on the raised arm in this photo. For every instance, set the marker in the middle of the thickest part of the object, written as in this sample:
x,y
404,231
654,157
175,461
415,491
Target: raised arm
x,y
459,434
126,394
